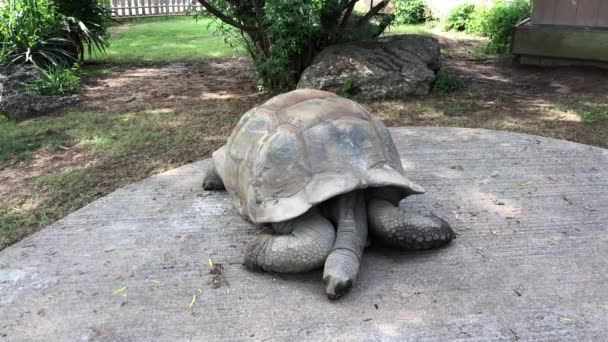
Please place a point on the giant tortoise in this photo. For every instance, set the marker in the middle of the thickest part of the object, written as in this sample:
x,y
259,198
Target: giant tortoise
x,y
321,171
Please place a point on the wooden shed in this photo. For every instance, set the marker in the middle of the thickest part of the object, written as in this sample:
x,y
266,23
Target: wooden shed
x,y
563,32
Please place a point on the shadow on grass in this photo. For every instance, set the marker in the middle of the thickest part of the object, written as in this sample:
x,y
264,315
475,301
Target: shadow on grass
x,y
136,123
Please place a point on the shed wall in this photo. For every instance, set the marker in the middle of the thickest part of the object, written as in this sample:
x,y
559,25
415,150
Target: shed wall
x,y
588,13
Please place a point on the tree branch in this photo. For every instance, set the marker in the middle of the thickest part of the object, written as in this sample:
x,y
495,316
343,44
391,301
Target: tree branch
x,y
372,12
223,17
349,10
264,39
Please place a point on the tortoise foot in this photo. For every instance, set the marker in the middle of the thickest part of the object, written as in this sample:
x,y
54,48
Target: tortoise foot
x,y
341,270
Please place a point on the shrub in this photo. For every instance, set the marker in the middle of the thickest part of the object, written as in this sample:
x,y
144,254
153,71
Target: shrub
x,y
283,37
497,21
57,79
31,32
446,82
87,23
411,11
477,21
459,17
45,32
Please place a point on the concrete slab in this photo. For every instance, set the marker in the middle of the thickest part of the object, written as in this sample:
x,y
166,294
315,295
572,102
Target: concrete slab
x,y
529,263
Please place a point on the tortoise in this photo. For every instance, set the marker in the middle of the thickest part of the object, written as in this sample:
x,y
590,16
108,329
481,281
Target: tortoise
x,y
321,171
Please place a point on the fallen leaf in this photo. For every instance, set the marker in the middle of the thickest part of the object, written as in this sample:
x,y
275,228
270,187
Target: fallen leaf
x,y
119,290
192,302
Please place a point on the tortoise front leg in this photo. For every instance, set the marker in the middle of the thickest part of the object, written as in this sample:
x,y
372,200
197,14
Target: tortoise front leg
x,y
343,263
212,181
395,228
303,246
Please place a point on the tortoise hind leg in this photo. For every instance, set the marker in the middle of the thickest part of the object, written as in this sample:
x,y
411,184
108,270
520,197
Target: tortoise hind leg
x,y
302,245
212,181
395,228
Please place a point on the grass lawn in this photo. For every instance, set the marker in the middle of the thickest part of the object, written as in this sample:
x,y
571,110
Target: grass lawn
x,y
140,115
67,161
165,40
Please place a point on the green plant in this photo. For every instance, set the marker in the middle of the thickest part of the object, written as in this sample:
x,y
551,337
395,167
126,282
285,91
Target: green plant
x,y
459,17
86,24
348,88
411,11
42,32
477,20
498,21
283,37
446,82
31,32
57,79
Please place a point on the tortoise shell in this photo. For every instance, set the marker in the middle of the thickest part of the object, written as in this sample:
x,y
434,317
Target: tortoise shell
x,y
302,148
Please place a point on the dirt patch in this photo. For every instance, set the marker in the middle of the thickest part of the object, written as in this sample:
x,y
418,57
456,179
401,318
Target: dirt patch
x,y
15,177
191,93
504,75
171,86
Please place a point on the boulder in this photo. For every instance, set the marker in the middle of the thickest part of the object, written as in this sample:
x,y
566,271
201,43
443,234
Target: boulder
x,y
388,67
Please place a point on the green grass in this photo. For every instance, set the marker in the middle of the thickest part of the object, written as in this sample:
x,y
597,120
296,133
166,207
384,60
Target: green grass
x,y
120,148
590,110
17,141
165,40
409,29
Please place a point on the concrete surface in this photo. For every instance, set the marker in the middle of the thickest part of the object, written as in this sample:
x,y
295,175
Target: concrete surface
x,y
529,263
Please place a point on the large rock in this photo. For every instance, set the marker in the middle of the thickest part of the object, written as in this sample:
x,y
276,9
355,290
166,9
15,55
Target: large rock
x,y
389,67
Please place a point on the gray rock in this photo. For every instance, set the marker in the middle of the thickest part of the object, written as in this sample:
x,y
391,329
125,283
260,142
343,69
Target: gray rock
x,y
127,267
389,67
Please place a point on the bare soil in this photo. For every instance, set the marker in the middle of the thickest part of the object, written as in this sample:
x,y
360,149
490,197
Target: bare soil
x,y
170,87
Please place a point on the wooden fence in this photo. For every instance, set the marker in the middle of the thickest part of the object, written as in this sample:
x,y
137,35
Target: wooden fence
x,y
151,8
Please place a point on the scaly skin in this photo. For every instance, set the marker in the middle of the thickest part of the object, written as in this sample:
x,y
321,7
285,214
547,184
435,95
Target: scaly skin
x,y
308,241
212,181
342,266
395,228
303,245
